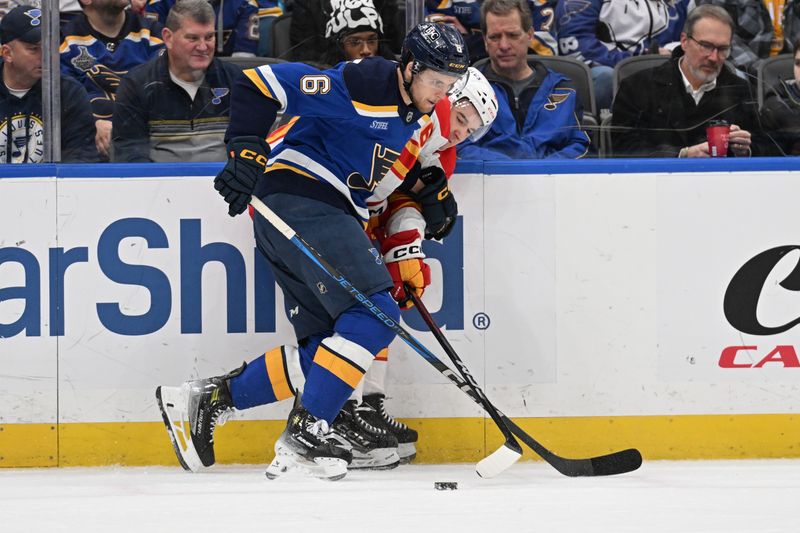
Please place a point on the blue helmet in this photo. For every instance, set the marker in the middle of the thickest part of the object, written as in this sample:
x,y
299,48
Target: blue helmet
x,y
435,46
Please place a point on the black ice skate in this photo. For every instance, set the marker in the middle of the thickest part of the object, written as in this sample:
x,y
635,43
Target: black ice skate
x,y
378,417
306,445
191,412
372,447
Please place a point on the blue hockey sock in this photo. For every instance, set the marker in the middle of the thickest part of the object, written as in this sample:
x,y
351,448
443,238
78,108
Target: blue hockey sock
x,y
269,378
341,360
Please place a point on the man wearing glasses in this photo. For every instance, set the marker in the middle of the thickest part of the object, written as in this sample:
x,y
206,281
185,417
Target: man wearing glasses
x,y
664,111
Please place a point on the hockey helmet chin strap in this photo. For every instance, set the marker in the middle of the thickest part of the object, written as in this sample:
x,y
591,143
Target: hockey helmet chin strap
x,y
415,69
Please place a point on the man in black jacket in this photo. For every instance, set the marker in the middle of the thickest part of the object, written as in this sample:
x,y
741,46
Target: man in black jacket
x,y
176,106
664,111
21,122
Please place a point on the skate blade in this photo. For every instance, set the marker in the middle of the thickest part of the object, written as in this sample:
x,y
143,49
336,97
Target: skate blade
x,y
173,401
287,461
378,459
407,452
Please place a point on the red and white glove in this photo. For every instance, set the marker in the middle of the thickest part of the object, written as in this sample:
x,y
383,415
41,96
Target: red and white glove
x,y
402,253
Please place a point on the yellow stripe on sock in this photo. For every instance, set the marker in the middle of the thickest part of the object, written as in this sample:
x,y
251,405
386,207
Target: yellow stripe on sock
x,y
339,367
277,374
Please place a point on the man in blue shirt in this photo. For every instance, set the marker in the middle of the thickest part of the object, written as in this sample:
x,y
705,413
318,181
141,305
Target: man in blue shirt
x,y
539,111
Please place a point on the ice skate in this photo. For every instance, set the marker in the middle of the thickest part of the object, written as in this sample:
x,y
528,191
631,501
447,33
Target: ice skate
x,y
306,446
191,412
377,416
372,447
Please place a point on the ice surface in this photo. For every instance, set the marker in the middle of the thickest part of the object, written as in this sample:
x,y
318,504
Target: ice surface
x,y
696,497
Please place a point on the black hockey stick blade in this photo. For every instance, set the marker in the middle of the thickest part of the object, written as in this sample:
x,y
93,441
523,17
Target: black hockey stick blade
x,y
611,464
614,463
604,465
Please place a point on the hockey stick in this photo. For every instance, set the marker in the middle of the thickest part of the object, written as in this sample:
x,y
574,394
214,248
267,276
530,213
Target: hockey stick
x,y
604,465
511,448
487,467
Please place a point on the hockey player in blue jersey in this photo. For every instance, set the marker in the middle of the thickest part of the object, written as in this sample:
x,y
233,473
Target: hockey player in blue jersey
x,y
342,150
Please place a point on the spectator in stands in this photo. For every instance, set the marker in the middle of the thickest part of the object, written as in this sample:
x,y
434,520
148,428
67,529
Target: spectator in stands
x,y
354,33
239,33
465,15
99,46
762,28
268,13
8,5
175,107
664,111
603,33
310,19
22,130
539,111
781,111
68,10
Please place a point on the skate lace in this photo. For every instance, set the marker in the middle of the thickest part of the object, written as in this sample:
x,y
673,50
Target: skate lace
x,y
318,428
363,422
389,419
219,416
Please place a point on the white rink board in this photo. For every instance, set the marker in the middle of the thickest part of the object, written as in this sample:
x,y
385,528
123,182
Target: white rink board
x,y
603,293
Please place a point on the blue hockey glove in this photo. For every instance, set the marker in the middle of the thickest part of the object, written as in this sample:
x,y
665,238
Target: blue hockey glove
x,y
247,158
438,205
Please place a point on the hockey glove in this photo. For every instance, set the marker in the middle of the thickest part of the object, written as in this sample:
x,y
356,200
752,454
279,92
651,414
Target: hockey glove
x,y
438,205
402,253
247,158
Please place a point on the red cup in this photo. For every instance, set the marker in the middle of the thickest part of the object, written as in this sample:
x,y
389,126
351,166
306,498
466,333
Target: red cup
x,y
718,132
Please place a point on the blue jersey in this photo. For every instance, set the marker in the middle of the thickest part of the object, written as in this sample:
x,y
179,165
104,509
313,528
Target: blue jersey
x,y
239,22
352,130
544,28
604,32
468,12
98,62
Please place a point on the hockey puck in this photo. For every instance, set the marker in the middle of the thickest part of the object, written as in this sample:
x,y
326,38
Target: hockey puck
x,y
445,485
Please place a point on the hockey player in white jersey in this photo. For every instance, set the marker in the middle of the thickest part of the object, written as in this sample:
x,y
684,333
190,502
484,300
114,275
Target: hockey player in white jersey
x,y
401,222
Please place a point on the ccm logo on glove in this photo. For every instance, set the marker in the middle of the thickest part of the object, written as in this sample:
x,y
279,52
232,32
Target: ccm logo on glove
x,y
413,250
246,163
246,153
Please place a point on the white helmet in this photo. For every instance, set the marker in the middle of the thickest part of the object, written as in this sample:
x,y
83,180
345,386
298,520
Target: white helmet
x,y
476,88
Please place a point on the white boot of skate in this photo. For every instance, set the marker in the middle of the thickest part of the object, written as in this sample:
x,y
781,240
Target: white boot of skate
x,y
174,405
286,461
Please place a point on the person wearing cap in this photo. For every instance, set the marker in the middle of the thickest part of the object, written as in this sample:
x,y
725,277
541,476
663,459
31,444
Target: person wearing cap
x,y
354,31
21,121
309,34
175,107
